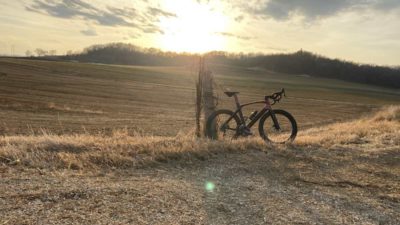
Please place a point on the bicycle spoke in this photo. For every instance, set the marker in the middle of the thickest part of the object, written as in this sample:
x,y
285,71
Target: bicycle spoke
x,y
222,128
282,134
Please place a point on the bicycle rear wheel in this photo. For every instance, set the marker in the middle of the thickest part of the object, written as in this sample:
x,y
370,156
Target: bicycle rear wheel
x,y
284,131
222,125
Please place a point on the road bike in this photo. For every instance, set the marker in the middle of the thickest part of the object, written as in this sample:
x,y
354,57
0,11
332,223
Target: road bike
x,y
275,125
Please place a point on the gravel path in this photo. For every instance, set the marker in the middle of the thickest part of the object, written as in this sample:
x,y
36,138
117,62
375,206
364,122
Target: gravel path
x,y
275,187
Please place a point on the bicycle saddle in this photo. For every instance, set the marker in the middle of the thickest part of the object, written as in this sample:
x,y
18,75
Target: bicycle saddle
x,y
231,93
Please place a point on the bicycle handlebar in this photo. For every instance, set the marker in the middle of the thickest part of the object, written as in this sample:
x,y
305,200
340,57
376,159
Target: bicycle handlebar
x,y
277,96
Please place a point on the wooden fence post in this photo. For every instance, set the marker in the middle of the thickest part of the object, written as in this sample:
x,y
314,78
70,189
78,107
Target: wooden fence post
x,y
199,91
204,96
208,95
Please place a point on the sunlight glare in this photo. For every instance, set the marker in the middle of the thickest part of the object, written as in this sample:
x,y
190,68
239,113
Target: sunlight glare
x,y
195,29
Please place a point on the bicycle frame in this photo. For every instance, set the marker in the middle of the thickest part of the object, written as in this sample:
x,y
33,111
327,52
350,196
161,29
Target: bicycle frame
x,y
239,111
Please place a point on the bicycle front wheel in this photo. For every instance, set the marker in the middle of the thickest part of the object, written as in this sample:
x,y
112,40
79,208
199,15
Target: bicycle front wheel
x,y
222,125
283,130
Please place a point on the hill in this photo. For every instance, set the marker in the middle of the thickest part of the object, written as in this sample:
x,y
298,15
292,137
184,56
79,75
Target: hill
x,y
67,97
341,173
298,63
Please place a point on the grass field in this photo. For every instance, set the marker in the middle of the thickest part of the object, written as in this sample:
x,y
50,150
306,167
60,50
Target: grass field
x,y
66,97
107,144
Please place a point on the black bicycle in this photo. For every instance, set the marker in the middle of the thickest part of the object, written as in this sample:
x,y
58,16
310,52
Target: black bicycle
x,y
276,126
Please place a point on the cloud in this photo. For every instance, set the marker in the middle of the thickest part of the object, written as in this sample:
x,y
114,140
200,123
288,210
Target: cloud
x,y
227,34
387,5
311,9
203,1
110,16
156,12
239,18
89,32
78,9
131,35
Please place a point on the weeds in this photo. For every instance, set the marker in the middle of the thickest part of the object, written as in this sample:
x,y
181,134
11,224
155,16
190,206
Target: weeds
x,y
124,150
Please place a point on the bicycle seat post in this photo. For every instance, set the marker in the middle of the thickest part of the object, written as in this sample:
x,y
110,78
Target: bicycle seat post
x,y
236,101
240,110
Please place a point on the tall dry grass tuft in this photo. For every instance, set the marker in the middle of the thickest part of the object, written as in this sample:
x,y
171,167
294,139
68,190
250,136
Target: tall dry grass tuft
x,y
121,150
378,131
117,151
390,113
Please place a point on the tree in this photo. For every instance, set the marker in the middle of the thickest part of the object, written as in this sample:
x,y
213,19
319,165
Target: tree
x,y
40,52
298,63
28,53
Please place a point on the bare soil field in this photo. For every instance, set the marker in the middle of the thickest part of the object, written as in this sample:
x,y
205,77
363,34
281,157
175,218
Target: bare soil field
x,y
67,97
342,173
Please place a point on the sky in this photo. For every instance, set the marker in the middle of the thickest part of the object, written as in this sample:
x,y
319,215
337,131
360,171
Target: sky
x,y
362,31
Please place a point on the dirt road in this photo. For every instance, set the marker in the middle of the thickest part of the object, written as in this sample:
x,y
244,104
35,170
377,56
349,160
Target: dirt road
x,y
285,186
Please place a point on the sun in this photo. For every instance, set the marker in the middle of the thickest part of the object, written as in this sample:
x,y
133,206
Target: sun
x,y
196,28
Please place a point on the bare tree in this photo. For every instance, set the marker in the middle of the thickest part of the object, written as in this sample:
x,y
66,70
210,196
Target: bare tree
x,y
28,53
40,52
53,52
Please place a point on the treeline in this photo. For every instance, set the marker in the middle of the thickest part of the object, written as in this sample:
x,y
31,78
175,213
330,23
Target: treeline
x,y
128,54
300,62
311,64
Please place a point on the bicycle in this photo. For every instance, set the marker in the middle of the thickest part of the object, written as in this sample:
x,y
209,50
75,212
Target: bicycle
x,y
275,125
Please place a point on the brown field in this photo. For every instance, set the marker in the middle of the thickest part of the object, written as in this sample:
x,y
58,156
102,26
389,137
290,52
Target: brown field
x,y
65,97
75,149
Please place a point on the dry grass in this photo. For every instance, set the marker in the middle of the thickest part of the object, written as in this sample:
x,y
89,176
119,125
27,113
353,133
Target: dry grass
x,y
345,173
122,150
375,132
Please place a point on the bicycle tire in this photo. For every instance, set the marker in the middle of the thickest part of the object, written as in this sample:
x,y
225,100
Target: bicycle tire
x,y
211,132
291,134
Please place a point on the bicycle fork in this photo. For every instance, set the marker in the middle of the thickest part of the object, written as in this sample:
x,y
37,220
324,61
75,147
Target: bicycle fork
x,y
274,119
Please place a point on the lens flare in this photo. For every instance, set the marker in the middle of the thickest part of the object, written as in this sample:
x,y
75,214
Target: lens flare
x,y
210,186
